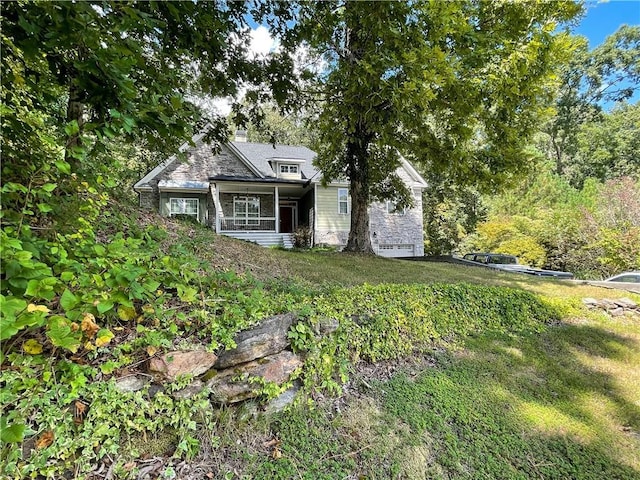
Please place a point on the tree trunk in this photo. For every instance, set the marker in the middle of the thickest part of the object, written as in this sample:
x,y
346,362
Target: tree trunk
x,y
358,156
359,239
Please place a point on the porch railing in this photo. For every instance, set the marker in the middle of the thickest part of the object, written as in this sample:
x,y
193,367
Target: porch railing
x,y
244,224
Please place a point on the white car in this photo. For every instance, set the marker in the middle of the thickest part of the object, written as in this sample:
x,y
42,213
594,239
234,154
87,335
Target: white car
x,y
626,277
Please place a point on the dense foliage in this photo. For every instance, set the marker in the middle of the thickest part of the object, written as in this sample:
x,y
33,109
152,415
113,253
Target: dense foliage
x,y
82,80
593,232
89,91
117,309
77,312
383,322
591,82
578,209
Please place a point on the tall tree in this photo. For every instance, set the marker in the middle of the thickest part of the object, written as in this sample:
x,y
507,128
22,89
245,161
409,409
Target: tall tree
x,y
456,87
608,147
591,81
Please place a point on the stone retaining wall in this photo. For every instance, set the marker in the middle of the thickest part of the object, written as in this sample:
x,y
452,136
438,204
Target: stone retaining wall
x,y
261,353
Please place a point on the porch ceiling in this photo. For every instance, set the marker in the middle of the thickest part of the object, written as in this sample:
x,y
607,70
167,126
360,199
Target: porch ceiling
x,y
285,189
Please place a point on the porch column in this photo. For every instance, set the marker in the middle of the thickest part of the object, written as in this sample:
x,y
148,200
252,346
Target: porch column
x,y
277,209
215,194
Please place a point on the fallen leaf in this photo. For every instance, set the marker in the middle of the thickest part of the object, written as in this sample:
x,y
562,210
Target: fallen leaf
x,y
32,347
276,454
129,466
88,346
88,325
78,360
79,411
272,443
37,308
151,351
44,440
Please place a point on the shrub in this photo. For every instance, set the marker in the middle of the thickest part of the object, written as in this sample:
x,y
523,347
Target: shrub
x,y
302,237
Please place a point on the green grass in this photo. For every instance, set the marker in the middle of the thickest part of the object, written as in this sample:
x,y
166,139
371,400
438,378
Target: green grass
x,y
313,268
562,404
505,394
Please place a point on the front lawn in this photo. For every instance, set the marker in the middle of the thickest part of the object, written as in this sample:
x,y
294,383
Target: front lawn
x,y
561,404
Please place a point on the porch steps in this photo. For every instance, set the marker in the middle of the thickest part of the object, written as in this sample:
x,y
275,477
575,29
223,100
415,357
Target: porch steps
x,y
264,239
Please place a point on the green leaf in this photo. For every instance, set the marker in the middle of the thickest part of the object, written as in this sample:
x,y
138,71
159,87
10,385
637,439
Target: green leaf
x,y
13,433
63,166
186,293
68,300
109,367
44,208
11,242
61,334
151,285
104,306
72,128
41,288
67,276
10,305
49,187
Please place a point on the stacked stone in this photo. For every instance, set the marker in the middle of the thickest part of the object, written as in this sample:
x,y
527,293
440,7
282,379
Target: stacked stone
x,y
262,352
614,307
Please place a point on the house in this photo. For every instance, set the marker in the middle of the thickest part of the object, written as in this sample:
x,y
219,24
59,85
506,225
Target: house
x,y
263,192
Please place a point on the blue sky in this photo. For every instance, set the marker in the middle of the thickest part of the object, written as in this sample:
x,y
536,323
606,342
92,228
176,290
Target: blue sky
x,y
605,17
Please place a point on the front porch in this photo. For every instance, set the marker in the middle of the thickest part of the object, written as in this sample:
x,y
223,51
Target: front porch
x,y
265,214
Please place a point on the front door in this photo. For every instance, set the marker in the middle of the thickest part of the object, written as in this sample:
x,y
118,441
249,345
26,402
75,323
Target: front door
x,y
286,218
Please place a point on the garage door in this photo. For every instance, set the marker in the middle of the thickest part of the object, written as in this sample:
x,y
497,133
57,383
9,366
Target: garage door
x,y
396,250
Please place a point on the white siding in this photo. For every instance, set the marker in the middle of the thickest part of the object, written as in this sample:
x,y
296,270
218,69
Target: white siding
x,y
332,228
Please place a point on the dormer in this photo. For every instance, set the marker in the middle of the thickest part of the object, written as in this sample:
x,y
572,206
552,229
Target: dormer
x,y
287,168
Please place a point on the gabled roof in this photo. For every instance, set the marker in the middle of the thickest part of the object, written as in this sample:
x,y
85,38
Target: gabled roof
x,y
259,158
143,183
422,183
260,154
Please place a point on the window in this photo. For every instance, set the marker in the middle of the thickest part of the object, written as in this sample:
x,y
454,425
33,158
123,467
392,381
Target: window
x,y
343,201
183,206
246,210
392,207
288,168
